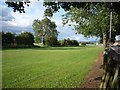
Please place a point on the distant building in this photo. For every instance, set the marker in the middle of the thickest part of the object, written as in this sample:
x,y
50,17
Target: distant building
x,y
97,43
80,44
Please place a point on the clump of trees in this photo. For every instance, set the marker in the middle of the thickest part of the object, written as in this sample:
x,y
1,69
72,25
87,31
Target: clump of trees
x,y
45,32
85,43
10,39
7,38
68,42
25,38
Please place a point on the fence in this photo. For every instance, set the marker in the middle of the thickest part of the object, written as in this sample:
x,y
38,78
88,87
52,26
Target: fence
x,y
111,77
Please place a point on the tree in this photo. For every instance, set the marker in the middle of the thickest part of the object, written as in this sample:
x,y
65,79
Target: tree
x,y
8,38
46,30
92,22
116,32
17,5
25,38
68,42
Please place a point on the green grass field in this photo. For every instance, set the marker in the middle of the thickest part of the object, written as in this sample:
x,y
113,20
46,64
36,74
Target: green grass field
x,y
53,67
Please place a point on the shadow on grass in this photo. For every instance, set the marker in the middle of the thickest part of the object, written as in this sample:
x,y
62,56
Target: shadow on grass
x,y
59,48
48,48
15,48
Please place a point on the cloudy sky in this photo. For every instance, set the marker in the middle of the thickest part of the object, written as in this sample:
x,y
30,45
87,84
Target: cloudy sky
x,y
21,22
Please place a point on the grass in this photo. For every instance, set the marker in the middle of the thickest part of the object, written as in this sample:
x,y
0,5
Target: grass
x,y
53,67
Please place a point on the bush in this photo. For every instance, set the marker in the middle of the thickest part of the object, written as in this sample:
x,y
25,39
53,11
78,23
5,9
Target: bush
x,y
51,41
8,38
75,43
22,40
25,38
68,42
83,43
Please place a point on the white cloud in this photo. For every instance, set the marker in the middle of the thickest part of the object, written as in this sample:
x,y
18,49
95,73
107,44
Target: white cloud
x,y
21,21
69,32
26,19
5,14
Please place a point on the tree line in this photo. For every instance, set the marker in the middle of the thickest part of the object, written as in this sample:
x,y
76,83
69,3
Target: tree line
x,y
26,39
10,39
45,32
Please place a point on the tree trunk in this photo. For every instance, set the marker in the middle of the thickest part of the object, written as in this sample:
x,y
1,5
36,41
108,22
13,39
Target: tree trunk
x,y
105,39
43,41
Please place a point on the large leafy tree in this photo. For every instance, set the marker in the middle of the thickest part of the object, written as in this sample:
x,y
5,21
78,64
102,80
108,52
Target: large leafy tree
x,y
92,22
46,31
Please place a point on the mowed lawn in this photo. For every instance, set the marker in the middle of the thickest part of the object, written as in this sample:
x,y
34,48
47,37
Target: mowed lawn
x,y
53,67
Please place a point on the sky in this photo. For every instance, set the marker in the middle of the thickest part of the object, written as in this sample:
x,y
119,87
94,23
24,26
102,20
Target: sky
x,y
22,22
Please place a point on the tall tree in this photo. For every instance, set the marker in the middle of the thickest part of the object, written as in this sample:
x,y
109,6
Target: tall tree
x,y
46,30
92,22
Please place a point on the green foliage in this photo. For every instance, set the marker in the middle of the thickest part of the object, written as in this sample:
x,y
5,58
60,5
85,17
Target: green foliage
x,y
17,5
53,7
83,43
53,67
7,38
50,40
45,30
92,22
117,27
25,38
11,40
68,42
37,39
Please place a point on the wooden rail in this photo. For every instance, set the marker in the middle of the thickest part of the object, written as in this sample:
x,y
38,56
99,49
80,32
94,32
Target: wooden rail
x,y
111,77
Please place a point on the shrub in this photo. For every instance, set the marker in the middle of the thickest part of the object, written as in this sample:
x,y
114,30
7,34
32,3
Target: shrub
x,y
83,43
25,38
68,42
8,38
22,40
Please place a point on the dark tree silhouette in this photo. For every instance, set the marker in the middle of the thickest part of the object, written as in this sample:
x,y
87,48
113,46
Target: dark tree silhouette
x,y
18,5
